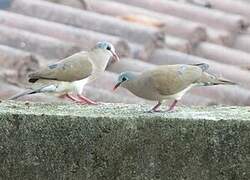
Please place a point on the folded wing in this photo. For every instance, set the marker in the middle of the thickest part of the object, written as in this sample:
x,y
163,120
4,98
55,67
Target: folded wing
x,y
73,68
169,80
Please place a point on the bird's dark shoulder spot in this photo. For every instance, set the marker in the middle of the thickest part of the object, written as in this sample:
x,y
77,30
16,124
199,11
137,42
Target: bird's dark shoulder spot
x,y
181,69
203,66
33,80
52,66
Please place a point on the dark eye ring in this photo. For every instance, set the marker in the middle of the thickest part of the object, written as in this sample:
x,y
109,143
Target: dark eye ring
x,y
124,79
109,48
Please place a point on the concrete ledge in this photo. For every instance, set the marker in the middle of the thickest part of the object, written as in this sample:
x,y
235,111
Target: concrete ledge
x,y
67,141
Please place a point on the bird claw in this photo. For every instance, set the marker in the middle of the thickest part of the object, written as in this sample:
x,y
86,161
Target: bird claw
x,y
87,100
159,111
92,103
153,111
81,102
86,103
170,110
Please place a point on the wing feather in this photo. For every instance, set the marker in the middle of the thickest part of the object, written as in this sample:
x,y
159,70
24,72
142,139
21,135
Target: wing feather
x,y
73,68
171,79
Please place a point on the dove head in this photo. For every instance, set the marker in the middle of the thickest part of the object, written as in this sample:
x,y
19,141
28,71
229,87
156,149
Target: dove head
x,y
109,47
124,77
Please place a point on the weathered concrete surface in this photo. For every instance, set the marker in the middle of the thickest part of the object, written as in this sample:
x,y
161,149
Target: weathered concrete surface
x,y
121,142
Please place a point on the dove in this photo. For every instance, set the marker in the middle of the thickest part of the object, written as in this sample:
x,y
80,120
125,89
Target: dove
x,y
168,82
68,76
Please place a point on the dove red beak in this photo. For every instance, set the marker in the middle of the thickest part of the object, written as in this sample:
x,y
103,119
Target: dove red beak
x,y
115,57
116,86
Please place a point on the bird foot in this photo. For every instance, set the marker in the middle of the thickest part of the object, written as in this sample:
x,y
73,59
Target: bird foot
x,y
160,111
170,110
81,102
92,103
76,100
87,100
172,106
153,111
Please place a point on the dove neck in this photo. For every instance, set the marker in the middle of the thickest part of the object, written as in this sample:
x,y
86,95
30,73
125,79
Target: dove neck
x,y
100,58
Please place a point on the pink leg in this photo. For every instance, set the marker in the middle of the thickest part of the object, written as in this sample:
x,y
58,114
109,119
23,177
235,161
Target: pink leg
x,y
87,100
172,105
154,109
75,99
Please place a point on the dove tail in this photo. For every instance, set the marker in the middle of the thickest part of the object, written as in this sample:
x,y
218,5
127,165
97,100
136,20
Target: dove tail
x,y
224,81
28,92
210,80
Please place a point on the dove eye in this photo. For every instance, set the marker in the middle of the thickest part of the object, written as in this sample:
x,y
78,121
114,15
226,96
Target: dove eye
x,y
109,48
124,79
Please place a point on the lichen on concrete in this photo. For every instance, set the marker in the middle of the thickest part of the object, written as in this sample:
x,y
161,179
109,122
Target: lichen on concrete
x,y
118,141
126,111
